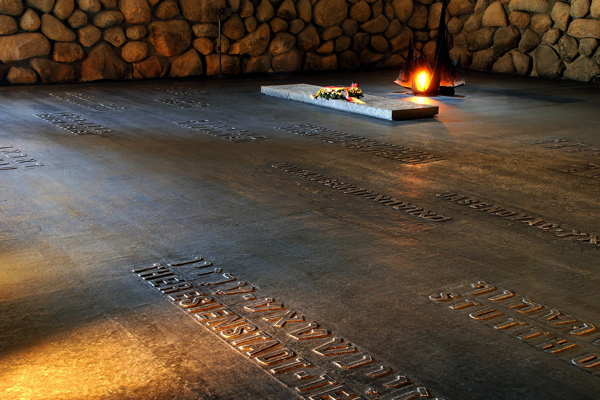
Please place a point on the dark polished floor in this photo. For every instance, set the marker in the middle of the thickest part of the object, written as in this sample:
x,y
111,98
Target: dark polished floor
x,y
343,256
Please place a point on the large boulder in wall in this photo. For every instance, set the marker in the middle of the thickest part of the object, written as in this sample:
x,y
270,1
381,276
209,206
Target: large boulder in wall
x,y
135,11
30,21
44,6
504,65
89,6
53,72
201,11
547,62
304,9
253,44
595,9
55,30
20,76
187,64
585,28
67,52
522,62
315,62
256,65
134,51
287,62
349,60
150,68
11,7
327,13
63,8
568,48
460,7
376,25
230,65
483,60
580,8
529,41
505,39
494,15
23,46
532,6
282,43
403,9
583,69
264,11
103,63
170,38
481,39
8,25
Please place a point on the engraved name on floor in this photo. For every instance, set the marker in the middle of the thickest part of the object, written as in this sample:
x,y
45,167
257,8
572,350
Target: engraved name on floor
x,y
569,146
183,102
392,151
306,357
588,170
88,101
185,91
222,131
74,123
188,97
533,221
348,188
12,158
545,328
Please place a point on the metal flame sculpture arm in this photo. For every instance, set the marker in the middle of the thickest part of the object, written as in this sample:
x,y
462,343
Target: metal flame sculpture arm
x,y
444,75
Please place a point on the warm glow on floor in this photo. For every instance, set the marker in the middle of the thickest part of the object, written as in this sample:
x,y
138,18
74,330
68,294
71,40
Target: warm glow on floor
x,y
423,100
93,362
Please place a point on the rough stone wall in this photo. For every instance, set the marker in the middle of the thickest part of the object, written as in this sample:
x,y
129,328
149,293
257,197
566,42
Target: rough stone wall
x,y
56,41
546,38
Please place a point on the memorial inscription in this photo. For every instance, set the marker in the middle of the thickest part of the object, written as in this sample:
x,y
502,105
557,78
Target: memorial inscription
x,y
306,357
182,102
588,170
88,101
543,327
569,146
12,158
185,91
529,220
395,152
74,123
347,188
222,131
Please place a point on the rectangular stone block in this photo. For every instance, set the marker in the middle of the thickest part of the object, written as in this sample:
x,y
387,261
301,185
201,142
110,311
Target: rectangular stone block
x,y
375,106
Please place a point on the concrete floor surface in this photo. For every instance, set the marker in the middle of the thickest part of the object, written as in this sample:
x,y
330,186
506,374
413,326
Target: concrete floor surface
x,y
498,302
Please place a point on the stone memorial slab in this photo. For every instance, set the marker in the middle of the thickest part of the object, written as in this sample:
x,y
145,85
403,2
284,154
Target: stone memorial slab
x,y
374,106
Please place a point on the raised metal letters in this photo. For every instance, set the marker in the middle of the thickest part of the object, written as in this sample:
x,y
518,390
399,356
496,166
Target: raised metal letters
x,y
546,329
74,123
374,147
588,170
530,220
309,332
364,360
258,326
12,158
222,131
182,102
335,347
185,91
419,392
568,146
352,189
88,101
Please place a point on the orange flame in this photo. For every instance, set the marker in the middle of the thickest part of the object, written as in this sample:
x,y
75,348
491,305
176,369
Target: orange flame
x,y
422,81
